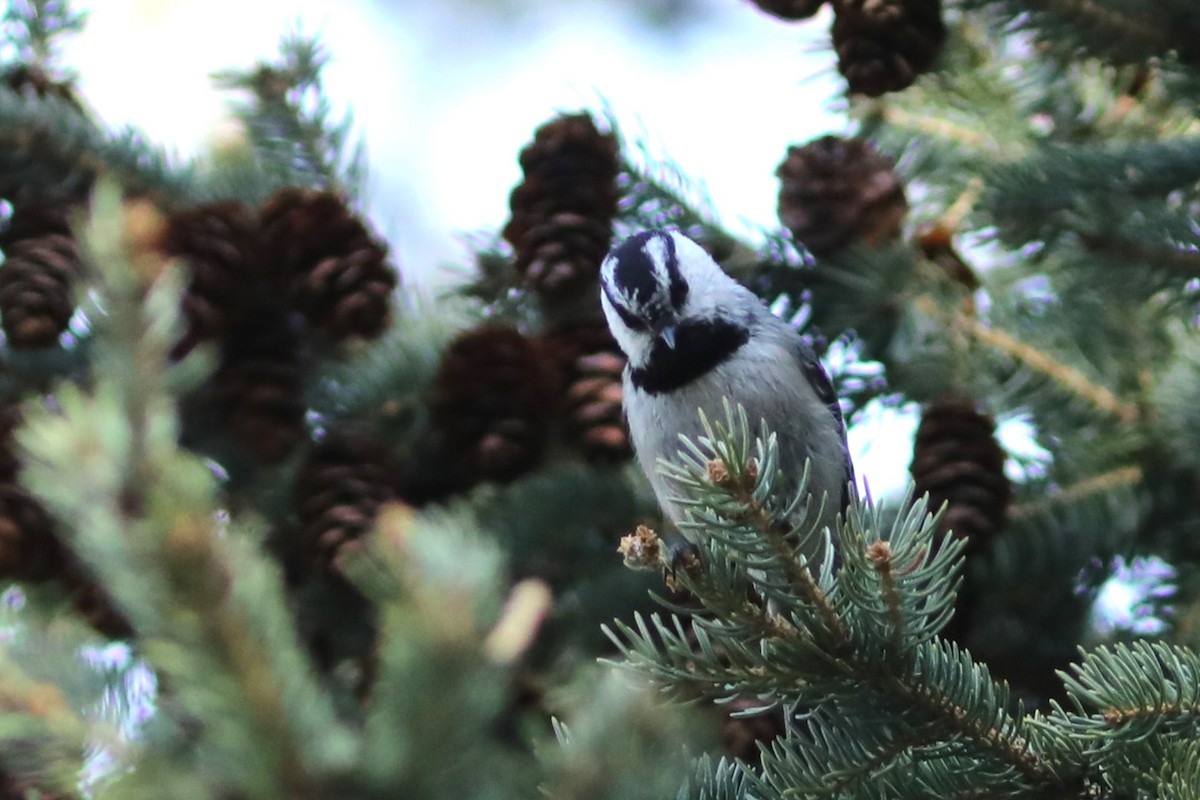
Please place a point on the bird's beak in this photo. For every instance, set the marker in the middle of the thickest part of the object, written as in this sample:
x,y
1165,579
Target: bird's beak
x,y
667,334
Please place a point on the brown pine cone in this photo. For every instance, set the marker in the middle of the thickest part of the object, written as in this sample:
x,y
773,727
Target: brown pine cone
x,y
259,384
957,460
561,224
790,9
883,45
333,269
836,191
37,279
219,243
591,365
490,399
338,491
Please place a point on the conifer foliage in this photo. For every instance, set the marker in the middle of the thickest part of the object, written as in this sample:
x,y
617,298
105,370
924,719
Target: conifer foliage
x,y
346,546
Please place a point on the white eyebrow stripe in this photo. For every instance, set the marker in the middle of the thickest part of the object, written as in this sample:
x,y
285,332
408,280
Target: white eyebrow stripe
x,y
656,249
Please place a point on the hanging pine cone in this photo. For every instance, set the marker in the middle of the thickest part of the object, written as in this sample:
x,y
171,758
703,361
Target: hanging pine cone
x,y
338,492
836,191
219,243
334,270
259,385
591,365
37,279
790,9
562,212
489,402
883,45
957,460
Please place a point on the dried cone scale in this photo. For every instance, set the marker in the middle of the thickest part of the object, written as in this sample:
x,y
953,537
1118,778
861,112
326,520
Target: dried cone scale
x,y
37,279
883,45
333,270
490,402
339,489
219,244
957,460
259,385
835,192
561,223
591,366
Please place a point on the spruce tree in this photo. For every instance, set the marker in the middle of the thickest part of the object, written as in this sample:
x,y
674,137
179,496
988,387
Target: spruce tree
x,y
273,528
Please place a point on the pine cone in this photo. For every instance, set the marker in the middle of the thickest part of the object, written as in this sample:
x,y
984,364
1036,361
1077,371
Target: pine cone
x,y
562,212
883,45
489,401
338,492
957,460
334,270
219,243
836,191
41,265
591,365
790,9
259,385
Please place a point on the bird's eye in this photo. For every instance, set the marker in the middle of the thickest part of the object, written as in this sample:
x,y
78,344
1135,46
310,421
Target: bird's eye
x,y
631,320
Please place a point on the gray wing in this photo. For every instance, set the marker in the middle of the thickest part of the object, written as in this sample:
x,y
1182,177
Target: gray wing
x,y
812,368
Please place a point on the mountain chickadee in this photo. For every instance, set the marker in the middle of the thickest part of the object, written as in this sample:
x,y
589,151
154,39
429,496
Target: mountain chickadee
x,y
694,336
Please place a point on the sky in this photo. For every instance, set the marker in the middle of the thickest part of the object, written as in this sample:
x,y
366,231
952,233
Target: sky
x,y
446,94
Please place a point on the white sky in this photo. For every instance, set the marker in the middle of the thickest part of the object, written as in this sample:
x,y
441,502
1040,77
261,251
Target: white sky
x,y
446,94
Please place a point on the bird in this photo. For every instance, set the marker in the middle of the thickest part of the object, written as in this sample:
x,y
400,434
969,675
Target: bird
x,y
695,338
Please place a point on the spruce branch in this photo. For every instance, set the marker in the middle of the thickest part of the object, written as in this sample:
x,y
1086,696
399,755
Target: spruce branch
x,y
1062,374
928,125
860,638
1114,31
48,148
290,120
34,28
1181,262
1133,691
207,604
1103,484
738,506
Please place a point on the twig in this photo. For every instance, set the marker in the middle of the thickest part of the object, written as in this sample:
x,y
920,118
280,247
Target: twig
x,y
1097,484
1038,360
